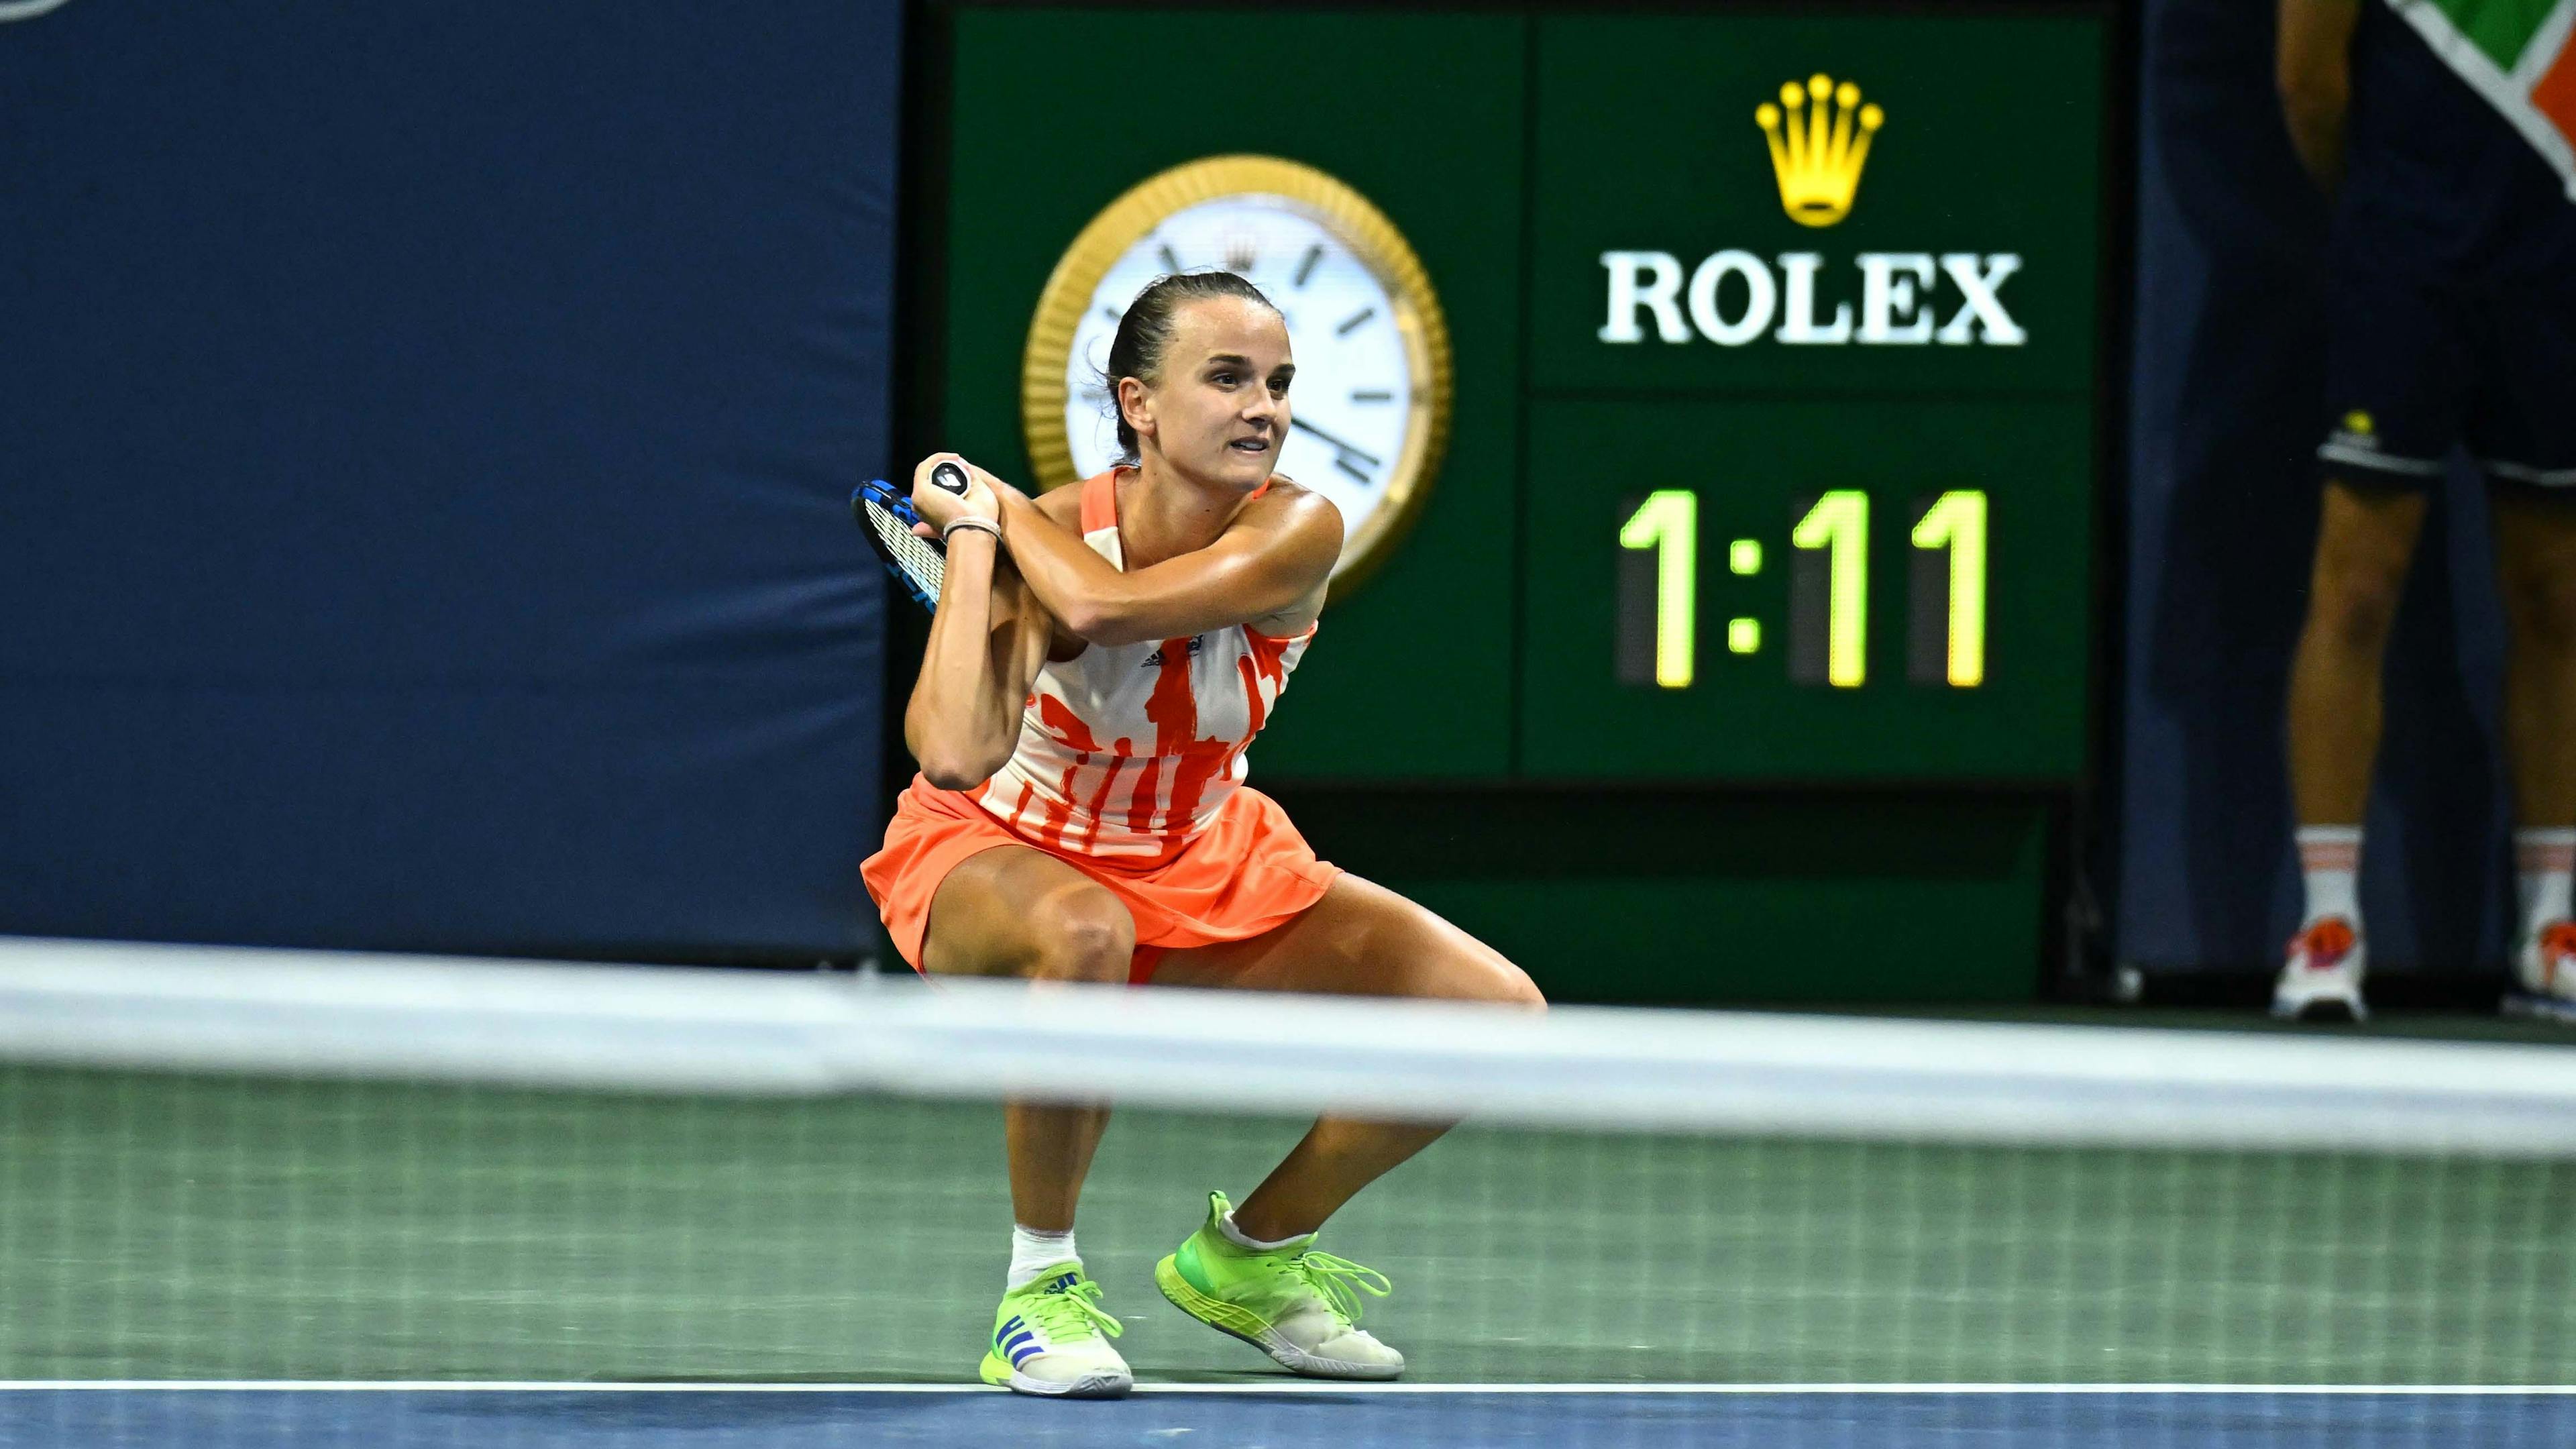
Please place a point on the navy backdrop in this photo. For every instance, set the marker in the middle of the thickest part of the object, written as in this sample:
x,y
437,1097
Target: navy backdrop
x,y
2227,412
424,438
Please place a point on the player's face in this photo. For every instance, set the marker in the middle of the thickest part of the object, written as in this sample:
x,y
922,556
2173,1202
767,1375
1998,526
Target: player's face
x,y
1220,413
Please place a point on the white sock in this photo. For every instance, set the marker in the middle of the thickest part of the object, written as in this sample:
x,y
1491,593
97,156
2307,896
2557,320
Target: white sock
x,y
1033,1251
1242,1239
2329,861
2541,859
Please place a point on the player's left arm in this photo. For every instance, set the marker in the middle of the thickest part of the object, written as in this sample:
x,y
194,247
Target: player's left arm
x,y
1276,555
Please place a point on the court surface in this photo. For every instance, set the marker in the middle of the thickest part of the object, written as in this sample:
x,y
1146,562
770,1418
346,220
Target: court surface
x,y
115,1416
169,1227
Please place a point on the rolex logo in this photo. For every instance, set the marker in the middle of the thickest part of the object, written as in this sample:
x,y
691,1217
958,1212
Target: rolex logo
x,y
1815,152
1734,297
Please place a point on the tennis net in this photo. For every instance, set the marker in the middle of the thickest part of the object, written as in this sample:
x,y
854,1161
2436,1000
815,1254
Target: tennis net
x,y
253,1165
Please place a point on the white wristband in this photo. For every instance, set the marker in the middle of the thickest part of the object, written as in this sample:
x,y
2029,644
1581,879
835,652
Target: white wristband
x,y
984,525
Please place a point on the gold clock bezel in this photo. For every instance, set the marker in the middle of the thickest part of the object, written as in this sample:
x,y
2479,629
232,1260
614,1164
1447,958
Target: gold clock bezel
x,y
1325,200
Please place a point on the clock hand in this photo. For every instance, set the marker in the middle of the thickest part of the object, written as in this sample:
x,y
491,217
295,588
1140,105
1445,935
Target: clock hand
x,y
1297,422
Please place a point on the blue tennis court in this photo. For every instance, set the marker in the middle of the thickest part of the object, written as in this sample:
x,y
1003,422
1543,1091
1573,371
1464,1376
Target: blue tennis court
x,y
652,1416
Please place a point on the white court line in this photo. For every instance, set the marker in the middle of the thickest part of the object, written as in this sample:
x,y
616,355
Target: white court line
x,y
1290,1386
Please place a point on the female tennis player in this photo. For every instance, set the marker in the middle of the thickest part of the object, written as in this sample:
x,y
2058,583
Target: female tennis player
x,y
1100,659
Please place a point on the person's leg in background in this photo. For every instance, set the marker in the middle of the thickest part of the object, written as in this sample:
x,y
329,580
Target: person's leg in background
x,y
2399,377
2366,539
2536,571
2523,432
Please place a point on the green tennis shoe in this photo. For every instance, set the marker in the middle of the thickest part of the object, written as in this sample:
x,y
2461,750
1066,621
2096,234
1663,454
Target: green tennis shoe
x,y
1299,1306
1051,1336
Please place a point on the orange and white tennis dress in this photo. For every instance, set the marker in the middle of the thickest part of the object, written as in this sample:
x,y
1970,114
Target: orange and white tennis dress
x,y
1129,767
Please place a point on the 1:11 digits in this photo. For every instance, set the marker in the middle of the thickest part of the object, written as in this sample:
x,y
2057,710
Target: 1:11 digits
x,y
1829,594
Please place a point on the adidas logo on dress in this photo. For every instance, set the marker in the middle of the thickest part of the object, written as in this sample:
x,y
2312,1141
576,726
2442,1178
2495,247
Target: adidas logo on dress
x,y
1198,642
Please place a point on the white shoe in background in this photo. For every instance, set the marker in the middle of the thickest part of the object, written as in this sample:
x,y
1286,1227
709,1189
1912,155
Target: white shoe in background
x,y
2321,980
2545,969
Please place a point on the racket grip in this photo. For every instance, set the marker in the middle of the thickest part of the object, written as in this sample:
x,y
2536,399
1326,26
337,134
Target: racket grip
x,y
950,477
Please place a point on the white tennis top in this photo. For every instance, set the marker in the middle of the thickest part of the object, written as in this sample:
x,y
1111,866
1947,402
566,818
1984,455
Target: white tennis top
x,y
1127,752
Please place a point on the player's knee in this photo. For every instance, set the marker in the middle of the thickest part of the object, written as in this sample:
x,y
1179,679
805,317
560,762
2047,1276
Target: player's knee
x,y
1500,983
1518,990
2542,605
2356,602
1082,936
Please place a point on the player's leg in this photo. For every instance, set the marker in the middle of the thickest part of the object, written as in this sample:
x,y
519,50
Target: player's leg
x,y
1361,939
2366,539
1013,911
2536,571
1251,1271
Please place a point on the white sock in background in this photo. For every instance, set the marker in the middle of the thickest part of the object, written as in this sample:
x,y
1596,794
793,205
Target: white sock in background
x,y
2541,860
2329,861
1032,1251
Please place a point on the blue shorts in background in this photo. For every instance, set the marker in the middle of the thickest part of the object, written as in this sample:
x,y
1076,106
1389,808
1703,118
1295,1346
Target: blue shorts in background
x,y
2451,283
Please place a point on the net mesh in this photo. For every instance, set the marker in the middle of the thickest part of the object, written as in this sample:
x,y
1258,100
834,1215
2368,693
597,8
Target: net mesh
x,y
241,1166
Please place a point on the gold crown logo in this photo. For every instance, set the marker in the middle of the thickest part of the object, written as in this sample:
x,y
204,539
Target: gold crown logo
x,y
1816,155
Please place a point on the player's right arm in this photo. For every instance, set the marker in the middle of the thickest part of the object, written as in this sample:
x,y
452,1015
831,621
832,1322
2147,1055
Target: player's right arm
x,y
2313,69
988,640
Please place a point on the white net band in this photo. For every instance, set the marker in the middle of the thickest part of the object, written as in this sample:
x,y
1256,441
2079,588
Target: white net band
x,y
765,1033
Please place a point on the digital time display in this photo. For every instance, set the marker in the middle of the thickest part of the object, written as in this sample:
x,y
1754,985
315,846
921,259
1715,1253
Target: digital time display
x,y
1808,590
1829,590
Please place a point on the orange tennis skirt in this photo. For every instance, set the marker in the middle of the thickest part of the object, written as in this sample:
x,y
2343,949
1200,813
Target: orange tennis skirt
x,y
1248,872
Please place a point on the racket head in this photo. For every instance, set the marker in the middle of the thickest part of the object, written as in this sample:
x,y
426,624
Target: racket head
x,y
886,516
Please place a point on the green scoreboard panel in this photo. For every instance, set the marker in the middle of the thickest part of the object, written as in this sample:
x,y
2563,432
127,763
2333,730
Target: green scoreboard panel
x,y
1762,545
1811,397
1773,444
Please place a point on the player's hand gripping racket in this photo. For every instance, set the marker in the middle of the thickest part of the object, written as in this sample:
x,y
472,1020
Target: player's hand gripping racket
x,y
917,563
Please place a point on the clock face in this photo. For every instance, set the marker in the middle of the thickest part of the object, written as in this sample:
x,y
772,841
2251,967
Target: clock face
x,y
1369,412
1352,403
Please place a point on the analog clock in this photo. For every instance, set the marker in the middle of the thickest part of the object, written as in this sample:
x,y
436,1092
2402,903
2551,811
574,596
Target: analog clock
x,y
1369,412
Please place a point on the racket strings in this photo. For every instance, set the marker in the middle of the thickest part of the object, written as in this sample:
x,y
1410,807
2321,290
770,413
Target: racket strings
x,y
919,559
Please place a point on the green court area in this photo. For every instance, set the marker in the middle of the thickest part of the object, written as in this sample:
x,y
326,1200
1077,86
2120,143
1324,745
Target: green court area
x,y
193,1227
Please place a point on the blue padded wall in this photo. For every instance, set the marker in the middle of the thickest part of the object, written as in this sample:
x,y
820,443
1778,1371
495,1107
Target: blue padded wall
x,y
424,438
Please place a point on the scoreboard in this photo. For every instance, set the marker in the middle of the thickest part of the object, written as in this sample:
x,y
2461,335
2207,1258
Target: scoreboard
x,y
1811,396
1716,403
1773,367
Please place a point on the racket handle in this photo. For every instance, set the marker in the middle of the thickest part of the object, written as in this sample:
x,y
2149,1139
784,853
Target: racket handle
x,y
950,477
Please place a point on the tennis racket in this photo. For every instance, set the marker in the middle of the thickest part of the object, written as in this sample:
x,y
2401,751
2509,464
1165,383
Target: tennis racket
x,y
917,563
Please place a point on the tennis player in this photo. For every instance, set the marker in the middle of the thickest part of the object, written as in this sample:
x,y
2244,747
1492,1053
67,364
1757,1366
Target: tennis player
x,y
1101,658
